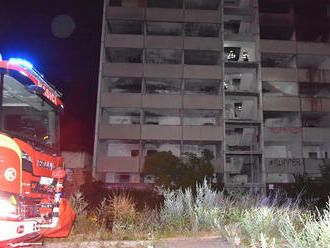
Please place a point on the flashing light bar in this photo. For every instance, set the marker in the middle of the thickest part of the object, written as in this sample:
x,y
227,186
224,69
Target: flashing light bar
x,y
0,57
21,62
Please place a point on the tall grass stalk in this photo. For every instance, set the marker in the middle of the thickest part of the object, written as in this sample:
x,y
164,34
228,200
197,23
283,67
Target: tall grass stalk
x,y
310,231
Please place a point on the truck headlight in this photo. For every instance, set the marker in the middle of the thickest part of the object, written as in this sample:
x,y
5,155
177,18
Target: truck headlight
x,y
7,209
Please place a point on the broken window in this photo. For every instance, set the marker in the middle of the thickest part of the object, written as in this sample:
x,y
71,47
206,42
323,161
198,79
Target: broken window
x,y
161,117
201,57
241,51
150,147
280,7
122,85
239,26
197,147
232,27
281,119
201,29
243,79
314,90
231,3
202,86
124,55
203,4
163,56
122,178
125,27
120,116
163,85
241,169
276,33
195,117
242,108
164,28
242,138
128,3
279,88
168,4
315,119
122,148
278,60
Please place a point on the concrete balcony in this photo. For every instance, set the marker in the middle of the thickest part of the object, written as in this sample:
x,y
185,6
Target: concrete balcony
x,y
124,40
163,70
282,134
284,165
162,14
315,104
276,20
157,132
203,133
161,101
171,42
125,13
313,48
202,43
202,72
202,102
118,164
209,16
281,103
121,100
108,131
279,74
314,76
123,69
278,46
316,135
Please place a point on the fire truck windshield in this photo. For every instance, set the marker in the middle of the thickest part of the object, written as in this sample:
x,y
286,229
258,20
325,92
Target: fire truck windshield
x,y
27,116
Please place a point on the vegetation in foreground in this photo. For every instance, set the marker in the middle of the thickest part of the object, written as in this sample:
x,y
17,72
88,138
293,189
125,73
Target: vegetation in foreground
x,y
257,221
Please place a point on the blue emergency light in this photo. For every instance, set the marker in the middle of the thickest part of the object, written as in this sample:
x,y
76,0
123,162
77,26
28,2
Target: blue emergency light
x,y
21,62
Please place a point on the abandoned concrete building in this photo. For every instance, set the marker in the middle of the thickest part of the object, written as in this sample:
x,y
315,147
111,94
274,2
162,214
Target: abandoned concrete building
x,y
246,79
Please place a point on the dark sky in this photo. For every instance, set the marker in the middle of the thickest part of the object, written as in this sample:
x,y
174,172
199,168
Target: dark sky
x,y
62,40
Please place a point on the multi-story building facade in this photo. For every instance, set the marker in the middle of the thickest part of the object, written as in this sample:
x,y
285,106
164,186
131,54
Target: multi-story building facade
x,y
224,75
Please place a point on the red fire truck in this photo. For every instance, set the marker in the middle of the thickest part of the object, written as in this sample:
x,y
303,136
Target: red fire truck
x,y
31,170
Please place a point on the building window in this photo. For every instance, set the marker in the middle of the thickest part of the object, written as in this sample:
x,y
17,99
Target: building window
x,y
312,155
201,29
201,57
164,28
123,178
163,56
125,27
279,88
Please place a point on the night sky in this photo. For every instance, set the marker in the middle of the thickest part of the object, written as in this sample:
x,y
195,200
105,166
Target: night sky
x,y
62,40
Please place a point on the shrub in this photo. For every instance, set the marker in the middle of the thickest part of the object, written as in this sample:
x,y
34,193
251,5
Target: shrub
x,y
311,231
184,212
86,226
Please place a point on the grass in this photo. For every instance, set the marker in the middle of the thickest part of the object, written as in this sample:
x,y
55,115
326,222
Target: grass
x,y
258,221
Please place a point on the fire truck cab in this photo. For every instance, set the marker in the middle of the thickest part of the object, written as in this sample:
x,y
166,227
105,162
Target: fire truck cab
x,y
31,169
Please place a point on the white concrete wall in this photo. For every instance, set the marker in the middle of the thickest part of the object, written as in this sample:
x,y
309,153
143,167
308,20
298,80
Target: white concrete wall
x,y
75,160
